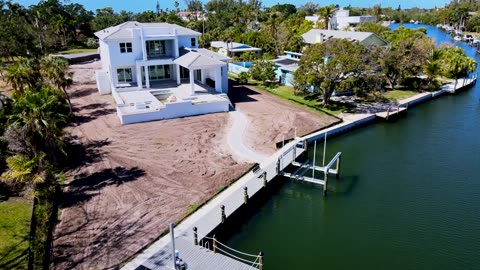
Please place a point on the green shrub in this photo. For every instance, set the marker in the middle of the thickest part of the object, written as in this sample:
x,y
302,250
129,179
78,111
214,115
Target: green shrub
x,y
243,77
92,43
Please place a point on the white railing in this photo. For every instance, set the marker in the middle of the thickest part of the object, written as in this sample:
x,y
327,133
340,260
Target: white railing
x,y
255,261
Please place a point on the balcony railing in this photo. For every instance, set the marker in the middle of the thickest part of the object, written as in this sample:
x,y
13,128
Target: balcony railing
x,y
159,57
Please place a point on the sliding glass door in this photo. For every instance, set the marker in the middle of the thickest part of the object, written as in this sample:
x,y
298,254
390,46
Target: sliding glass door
x,y
161,72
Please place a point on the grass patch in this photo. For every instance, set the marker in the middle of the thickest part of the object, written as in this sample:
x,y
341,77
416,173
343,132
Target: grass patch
x,y
72,51
15,217
399,94
311,103
192,208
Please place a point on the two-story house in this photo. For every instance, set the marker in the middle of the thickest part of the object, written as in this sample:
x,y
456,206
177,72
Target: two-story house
x,y
158,58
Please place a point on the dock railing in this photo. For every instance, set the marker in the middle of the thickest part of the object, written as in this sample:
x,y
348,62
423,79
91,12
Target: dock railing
x,y
254,260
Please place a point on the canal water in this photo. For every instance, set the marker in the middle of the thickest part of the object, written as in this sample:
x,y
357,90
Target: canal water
x,y
408,197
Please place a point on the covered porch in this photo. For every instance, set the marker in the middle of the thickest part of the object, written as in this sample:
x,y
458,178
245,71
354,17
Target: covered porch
x,y
201,71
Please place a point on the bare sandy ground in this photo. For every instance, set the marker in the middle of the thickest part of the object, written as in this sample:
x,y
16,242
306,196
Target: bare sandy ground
x,y
272,119
128,182
134,179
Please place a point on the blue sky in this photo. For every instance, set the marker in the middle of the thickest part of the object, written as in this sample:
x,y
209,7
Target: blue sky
x,y
141,5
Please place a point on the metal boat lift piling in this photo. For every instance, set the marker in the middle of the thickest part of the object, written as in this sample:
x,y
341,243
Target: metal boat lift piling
x,y
303,168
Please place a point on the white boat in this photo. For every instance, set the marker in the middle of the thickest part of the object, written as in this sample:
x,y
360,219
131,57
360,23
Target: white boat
x,y
457,38
468,38
416,22
439,26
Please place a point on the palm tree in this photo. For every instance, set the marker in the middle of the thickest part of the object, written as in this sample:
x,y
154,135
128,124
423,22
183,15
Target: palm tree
x,y
40,116
55,71
25,170
23,75
326,13
433,68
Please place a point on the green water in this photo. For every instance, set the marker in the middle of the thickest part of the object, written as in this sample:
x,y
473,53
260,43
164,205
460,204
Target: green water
x,y
408,197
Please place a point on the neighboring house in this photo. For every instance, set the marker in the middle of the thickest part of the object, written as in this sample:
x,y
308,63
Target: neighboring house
x,y
233,48
155,71
285,66
192,16
341,20
366,38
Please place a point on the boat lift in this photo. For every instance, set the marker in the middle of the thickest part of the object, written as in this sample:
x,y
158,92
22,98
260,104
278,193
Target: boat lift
x,y
303,168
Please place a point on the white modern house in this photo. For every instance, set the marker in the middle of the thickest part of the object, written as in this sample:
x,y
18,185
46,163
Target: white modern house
x,y
342,20
233,48
156,71
365,38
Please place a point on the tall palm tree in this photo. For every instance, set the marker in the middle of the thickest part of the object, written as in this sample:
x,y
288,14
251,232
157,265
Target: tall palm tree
x,y
326,13
55,71
40,116
23,75
433,68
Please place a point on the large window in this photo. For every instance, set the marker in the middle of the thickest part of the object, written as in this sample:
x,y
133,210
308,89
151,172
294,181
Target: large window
x,y
155,48
159,72
124,75
126,47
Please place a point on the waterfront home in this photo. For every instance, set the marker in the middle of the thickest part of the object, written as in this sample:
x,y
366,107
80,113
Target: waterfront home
x,y
194,15
233,48
156,71
365,38
342,20
285,66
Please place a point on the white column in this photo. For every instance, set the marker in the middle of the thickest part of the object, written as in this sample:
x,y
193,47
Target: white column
x,y
204,77
139,77
192,82
176,53
147,77
144,45
218,79
178,74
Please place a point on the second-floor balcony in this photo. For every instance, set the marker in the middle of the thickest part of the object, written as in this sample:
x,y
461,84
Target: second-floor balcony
x,y
160,49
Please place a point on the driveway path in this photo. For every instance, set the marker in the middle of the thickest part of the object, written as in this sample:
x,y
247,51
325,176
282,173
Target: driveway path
x,y
235,138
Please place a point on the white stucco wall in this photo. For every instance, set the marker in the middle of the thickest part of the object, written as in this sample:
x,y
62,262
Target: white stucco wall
x,y
174,110
185,41
119,59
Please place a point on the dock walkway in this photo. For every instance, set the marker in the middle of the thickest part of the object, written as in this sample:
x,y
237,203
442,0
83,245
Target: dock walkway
x,y
196,257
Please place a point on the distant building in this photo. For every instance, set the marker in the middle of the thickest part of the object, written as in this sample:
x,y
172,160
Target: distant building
x,y
233,48
341,20
195,15
285,66
365,38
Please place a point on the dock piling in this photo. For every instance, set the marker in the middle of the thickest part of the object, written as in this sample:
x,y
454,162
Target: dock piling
x,y
222,210
260,260
265,179
245,195
337,175
325,184
214,244
195,236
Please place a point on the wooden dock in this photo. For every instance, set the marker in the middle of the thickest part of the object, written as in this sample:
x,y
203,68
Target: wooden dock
x,y
391,113
196,257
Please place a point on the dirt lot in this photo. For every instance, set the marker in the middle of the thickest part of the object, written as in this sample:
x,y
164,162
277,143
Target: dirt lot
x,y
271,119
128,182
